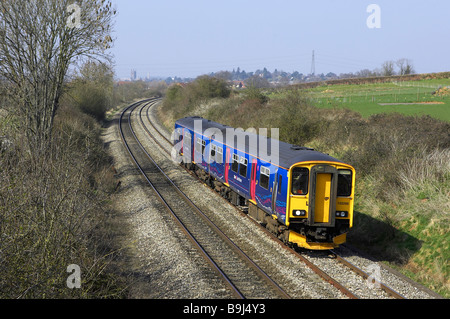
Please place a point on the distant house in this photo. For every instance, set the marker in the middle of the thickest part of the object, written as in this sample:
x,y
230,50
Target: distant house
x,y
239,85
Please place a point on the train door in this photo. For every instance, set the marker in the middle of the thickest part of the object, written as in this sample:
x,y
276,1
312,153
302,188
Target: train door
x,y
323,195
194,149
277,185
227,164
187,147
253,180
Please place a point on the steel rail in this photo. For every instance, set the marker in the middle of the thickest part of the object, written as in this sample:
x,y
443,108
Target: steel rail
x,y
363,274
243,255
318,271
166,205
310,265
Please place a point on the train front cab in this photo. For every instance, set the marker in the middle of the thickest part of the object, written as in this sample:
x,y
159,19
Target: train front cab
x,y
320,204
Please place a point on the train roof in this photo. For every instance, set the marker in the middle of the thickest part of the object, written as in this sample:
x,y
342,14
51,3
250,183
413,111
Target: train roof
x,y
254,144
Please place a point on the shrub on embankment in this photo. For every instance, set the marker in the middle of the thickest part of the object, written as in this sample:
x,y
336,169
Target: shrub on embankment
x,y
402,164
54,212
183,98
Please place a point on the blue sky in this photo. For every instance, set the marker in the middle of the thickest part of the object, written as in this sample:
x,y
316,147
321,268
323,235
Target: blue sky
x,y
193,37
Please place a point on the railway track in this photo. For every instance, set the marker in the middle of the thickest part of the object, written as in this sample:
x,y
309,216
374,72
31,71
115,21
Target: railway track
x,y
243,276
372,280
322,274
161,139
385,291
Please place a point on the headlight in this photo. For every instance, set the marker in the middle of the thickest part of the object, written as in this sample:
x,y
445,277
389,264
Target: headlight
x,y
299,213
341,214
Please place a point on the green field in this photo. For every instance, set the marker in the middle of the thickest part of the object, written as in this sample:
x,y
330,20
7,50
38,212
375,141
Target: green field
x,y
368,99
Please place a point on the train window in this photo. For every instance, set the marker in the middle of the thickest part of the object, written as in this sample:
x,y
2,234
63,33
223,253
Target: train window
x,y
264,177
219,155
300,179
235,165
243,167
344,183
213,151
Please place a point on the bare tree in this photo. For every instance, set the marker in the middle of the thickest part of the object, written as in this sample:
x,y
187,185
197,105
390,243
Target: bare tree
x,y
223,75
257,81
39,41
409,68
401,63
405,66
388,68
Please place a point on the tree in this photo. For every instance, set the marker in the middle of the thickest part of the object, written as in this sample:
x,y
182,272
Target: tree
x,y
92,90
405,66
364,73
388,68
39,41
224,75
206,87
257,82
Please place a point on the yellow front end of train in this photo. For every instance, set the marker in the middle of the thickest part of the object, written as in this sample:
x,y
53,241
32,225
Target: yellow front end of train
x,y
320,204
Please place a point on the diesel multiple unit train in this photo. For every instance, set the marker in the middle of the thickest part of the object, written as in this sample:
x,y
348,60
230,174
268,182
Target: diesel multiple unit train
x,y
303,196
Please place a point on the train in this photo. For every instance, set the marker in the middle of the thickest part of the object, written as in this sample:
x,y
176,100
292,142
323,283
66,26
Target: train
x,y
303,196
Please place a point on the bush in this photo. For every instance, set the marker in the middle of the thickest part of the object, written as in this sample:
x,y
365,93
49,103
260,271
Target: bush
x,y
299,122
182,99
206,87
387,141
91,100
51,208
91,91
253,93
